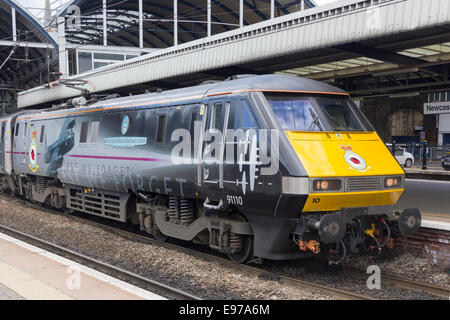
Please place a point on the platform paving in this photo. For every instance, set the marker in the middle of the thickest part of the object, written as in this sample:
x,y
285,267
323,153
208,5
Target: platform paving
x,y
31,273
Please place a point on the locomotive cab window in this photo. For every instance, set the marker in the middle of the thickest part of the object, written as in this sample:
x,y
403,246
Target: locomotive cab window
x,y
244,118
2,136
17,129
296,113
340,114
300,113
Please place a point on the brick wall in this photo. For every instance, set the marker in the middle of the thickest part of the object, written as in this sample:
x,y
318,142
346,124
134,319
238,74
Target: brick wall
x,y
430,243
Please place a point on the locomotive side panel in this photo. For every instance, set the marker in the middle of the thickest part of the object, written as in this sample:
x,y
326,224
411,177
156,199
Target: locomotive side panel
x,y
34,145
129,151
233,172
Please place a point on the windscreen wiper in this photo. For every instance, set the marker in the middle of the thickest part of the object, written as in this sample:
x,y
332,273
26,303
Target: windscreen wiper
x,y
316,121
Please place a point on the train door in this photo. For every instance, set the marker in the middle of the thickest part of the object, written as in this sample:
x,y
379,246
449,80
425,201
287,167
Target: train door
x,y
241,152
24,151
214,148
16,146
2,146
7,141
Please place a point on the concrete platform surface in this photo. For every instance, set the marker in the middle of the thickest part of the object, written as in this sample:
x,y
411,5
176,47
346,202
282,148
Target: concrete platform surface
x,y
436,221
30,273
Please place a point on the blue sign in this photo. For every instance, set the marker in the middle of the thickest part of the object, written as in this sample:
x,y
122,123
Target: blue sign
x,y
125,142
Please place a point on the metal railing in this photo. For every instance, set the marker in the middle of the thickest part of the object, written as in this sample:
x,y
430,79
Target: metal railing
x,y
433,154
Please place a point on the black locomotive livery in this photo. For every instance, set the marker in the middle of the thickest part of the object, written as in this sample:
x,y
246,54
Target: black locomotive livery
x,y
272,167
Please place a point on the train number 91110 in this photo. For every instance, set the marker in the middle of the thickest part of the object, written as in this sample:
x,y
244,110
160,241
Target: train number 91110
x,y
236,200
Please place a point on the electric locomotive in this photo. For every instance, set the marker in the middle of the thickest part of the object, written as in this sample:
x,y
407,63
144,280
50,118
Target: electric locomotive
x,y
273,167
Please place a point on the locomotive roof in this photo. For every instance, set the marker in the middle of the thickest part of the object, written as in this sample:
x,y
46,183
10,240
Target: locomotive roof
x,y
273,83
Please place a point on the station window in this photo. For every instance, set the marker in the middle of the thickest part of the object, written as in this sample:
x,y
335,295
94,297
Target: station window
x,y
41,139
84,61
93,60
161,129
108,56
84,132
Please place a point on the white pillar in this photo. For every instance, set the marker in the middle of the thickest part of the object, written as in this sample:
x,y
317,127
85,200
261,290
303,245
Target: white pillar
x,y
302,5
272,9
105,30
62,52
141,25
209,17
14,24
241,13
175,22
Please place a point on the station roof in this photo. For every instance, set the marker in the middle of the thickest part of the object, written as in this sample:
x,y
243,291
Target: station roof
x,y
158,16
22,69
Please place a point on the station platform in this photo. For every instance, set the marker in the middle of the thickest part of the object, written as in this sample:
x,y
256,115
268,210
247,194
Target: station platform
x,y
30,273
432,173
436,221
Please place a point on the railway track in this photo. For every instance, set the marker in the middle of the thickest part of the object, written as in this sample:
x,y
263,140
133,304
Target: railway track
x,y
124,275
247,269
410,284
256,271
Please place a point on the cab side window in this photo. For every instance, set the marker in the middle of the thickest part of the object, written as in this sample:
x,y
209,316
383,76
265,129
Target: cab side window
x,y
89,132
84,132
41,138
17,129
244,118
2,136
95,125
217,116
161,130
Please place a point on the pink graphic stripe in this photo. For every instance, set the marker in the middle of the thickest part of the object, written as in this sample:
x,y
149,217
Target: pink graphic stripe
x,y
115,158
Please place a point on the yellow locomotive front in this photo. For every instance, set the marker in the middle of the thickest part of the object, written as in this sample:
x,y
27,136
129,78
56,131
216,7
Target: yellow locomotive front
x,y
353,180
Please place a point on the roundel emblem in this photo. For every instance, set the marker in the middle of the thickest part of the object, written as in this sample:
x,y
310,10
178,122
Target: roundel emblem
x,y
33,154
125,125
354,160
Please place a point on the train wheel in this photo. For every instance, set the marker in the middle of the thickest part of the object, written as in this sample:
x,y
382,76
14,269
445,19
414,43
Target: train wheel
x,y
68,211
157,234
245,244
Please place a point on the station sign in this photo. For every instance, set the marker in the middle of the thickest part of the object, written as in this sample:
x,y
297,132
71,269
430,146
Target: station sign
x,y
436,107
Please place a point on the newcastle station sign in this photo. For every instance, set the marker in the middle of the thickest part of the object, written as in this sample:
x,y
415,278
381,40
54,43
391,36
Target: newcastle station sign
x,y
437,107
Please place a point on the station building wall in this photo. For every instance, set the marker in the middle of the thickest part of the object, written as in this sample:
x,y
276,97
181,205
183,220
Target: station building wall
x,y
389,118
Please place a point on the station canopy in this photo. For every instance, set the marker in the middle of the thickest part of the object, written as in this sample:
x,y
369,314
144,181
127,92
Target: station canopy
x,y
158,19
27,66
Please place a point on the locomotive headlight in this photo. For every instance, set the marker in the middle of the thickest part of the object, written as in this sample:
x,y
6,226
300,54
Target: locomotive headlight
x,y
392,182
327,185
